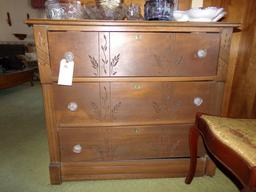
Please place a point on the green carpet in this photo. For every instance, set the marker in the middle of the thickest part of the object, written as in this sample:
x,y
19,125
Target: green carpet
x,y
24,155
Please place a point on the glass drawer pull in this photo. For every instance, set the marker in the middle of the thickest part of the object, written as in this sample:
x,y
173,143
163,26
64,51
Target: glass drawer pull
x,y
72,106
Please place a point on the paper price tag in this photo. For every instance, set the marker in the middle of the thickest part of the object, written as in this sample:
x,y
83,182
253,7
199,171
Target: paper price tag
x,y
66,72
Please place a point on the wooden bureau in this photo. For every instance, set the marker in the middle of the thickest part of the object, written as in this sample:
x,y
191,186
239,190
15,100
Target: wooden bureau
x,y
136,89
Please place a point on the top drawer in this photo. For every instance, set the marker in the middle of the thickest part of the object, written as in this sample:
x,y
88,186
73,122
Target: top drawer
x,y
136,54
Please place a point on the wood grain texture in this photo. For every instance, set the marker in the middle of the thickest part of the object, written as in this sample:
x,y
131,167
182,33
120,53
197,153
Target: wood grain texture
x,y
53,140
112,58
184,4
210,167
243,97
242,60
55,173
224,54
81,44
127,24
226,69
217,3
177,58
125,143
127,102
41,41
129,169
141,79
120,109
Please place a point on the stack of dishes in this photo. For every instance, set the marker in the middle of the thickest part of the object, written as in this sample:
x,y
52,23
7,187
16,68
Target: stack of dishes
x,y
209,14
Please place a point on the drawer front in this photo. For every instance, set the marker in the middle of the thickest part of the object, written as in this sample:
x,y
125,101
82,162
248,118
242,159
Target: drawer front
x,y
136,54
77,103
165,54
136,102
83,45
124,143
162,101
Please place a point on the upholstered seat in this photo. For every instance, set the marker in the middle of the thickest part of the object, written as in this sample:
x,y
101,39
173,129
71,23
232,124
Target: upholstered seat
x,y
238,134
232,142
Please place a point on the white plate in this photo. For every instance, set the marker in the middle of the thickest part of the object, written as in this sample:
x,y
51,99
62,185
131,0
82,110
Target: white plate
x,y
200,19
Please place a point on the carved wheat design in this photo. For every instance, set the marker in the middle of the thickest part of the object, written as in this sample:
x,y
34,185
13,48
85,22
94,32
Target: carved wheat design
x,y
95,65
115,109
156,107
95,108
104,49
104,99
113,64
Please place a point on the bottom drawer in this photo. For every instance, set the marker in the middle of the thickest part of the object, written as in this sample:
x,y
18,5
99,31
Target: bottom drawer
x,y
124,143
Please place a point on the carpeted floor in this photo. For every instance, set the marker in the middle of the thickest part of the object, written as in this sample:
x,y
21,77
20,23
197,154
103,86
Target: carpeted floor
x,y
24,155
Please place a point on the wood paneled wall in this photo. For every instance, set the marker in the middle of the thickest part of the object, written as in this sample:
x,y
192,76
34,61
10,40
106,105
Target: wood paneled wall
x,y
217,3
242,76
243,98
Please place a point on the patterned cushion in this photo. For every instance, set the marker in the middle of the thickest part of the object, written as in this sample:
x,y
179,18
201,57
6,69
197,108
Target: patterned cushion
x,y
238,134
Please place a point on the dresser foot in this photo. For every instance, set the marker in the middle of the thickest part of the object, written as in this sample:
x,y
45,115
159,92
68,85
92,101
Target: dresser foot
x,y
210,167
55,176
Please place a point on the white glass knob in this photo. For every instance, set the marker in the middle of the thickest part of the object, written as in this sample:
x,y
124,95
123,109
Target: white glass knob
x,y
72,106
69,56
201,53
77,148
198,101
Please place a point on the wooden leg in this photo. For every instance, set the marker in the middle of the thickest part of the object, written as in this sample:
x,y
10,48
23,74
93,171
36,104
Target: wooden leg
x,y
193,140
248,189
210,167
55,176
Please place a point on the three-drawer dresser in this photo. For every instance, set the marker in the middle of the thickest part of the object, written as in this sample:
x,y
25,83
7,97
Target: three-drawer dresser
x,y
136,87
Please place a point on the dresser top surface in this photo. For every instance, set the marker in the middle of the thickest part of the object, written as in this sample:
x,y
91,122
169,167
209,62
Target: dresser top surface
x,y
125,23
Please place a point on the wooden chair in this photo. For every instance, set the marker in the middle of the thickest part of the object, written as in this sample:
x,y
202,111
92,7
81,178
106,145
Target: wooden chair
x,y
231,142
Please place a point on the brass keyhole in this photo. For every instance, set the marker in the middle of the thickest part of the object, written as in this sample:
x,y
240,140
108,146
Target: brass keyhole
x,y
138,37
136,130
137,86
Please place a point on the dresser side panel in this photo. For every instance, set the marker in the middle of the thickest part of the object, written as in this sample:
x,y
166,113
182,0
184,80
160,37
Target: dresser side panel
x,y
41,42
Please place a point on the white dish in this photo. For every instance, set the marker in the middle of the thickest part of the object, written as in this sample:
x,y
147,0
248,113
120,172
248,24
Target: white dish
x,y
219,16
200,20
180,16
209,12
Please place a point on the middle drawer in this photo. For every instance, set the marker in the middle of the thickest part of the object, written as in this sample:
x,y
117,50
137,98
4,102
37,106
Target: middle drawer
x,y
129,103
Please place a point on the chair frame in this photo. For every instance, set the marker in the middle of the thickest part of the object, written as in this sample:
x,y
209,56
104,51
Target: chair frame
x,y
222,153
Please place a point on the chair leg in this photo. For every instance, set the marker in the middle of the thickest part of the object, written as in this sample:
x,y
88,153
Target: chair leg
x,y
193,140
247,189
